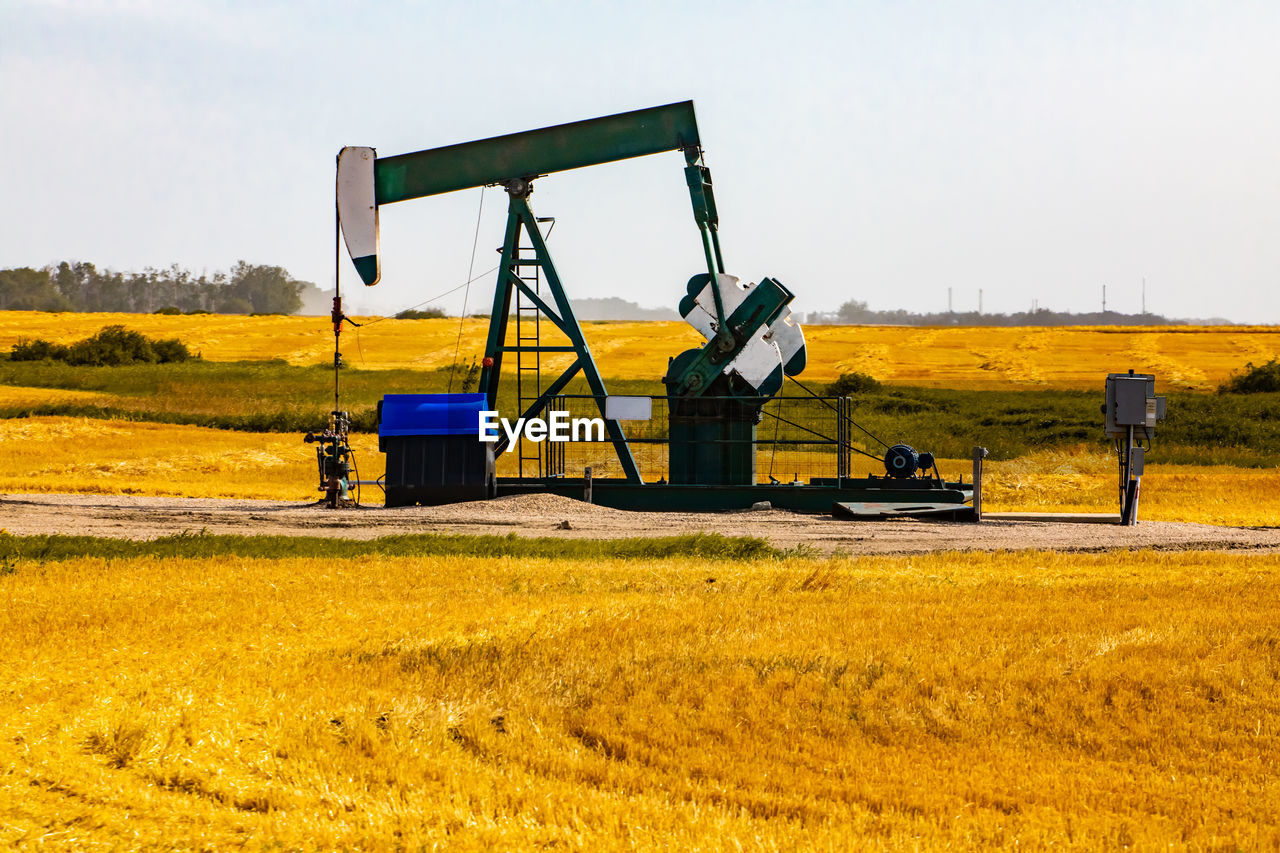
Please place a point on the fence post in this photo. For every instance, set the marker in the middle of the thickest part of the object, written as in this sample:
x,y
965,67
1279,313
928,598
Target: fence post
x,y
979,453
842,441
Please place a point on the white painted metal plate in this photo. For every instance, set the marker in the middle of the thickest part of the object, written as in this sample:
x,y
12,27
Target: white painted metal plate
x,y
358,210
789,337
628,408
756,362
703,316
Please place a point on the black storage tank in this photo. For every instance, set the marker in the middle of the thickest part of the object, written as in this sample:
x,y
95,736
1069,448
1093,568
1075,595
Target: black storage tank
x,y
433,449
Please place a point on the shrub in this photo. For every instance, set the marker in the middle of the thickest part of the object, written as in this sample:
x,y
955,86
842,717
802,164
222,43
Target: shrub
x,y
1253,380
424,314
853,383
37,350
113,345
168,309
470,376
170,350
110,347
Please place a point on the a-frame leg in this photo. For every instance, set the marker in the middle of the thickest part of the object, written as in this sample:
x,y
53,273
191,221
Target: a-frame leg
x,y
520,218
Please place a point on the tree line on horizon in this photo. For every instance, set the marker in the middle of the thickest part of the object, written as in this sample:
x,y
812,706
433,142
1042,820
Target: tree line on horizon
x,y
80,286
856,312
263,289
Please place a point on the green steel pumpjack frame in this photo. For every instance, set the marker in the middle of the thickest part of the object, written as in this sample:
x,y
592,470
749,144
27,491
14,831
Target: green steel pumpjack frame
x,y
513,162
520,216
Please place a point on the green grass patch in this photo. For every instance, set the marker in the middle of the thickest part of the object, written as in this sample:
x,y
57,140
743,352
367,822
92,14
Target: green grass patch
x,y
708,546
274,396
1201,429
255,396
252,422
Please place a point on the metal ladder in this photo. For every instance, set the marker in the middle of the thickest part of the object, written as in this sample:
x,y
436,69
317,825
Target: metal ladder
x,y
528,355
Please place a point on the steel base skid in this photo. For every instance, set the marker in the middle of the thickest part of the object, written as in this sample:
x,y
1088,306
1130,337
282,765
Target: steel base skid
x,y
868,498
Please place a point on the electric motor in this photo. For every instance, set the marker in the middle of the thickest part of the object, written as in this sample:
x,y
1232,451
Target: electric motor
x,y
901,461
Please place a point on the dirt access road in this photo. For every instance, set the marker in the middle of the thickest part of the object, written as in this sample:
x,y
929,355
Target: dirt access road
x,y
131,517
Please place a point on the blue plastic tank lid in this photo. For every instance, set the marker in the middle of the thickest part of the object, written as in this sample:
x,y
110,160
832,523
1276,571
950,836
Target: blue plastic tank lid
x,y
431,414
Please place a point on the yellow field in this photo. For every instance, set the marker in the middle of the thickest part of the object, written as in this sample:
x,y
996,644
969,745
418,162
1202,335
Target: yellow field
x,y
17,395
89,456
1190,357
969,701
965,701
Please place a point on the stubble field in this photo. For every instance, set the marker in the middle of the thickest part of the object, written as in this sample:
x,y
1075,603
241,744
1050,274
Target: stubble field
x,y
972,701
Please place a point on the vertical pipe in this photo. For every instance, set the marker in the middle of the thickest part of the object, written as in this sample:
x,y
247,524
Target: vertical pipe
x,y
1127,490
337,294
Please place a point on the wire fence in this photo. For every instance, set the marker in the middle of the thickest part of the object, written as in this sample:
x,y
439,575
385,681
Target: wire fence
x,y
795,439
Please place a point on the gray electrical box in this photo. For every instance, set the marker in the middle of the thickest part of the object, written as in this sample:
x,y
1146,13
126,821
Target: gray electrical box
x,y
1132,402
1137,462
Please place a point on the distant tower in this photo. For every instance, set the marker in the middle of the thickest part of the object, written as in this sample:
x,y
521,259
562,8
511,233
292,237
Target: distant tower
x,y
979,300
948,300
1104,299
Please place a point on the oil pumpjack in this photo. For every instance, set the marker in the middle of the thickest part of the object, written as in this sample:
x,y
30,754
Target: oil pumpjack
x,y
716,394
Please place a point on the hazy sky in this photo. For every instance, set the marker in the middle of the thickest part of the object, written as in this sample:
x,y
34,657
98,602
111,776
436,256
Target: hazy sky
x,y
882,151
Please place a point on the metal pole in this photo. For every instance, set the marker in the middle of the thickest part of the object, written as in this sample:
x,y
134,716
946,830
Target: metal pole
x,y
1126,493
335,429
842,458
1135,485
337,296
979,453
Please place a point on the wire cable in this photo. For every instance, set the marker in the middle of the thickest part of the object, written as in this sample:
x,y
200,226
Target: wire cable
x,y
435,298
462,315
803,428
773,455
359,346
815,396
